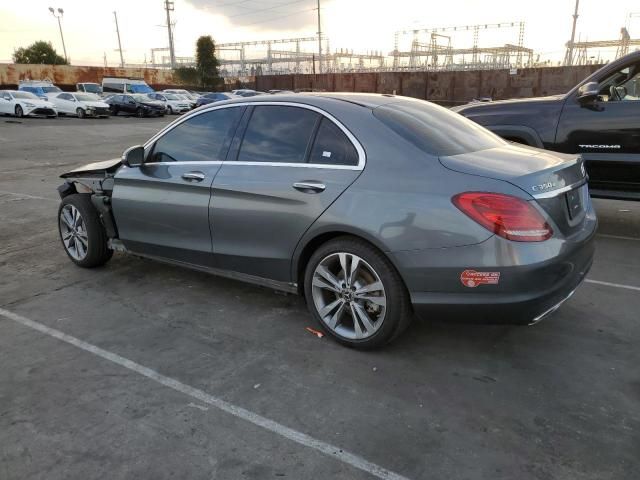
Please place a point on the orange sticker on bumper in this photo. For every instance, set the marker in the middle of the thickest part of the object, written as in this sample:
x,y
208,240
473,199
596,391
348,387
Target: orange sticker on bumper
x,y
471,278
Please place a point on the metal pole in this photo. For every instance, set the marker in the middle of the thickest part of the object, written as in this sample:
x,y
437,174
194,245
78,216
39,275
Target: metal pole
x,y
568,60
168,7
64,48
319,41
115,15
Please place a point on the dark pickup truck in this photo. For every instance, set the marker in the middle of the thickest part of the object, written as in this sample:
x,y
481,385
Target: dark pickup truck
x,y
599,119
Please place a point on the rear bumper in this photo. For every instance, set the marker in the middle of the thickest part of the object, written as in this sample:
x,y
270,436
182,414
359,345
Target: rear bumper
x,y
535,278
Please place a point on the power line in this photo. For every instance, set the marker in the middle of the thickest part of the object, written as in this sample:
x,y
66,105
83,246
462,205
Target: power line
x,y
266,9
279,17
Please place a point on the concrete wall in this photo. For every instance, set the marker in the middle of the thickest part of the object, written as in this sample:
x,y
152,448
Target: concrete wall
x,y
448,88
66,76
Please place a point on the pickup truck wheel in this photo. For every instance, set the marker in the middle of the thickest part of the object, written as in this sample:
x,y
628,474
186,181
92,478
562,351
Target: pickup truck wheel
x,y
80,113
81,232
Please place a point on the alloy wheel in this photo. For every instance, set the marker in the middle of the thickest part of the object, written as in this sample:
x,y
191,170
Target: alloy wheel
x,y
19,112
349,296
73,232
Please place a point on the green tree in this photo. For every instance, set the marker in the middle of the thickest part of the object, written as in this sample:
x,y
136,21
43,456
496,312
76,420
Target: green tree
x,y
206,62
39,52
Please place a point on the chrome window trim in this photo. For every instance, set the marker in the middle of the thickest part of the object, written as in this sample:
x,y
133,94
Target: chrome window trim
x,y
362,160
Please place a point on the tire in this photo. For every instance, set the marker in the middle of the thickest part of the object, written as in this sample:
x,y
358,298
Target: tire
x,y
169,110
387,310
114,110
139,113
81,232
80,112
19,112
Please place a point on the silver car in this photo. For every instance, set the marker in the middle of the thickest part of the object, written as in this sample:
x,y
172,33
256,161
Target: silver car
x,y
375,208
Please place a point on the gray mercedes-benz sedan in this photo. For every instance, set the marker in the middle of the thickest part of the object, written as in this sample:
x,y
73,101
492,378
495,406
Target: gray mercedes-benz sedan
x,y
374,207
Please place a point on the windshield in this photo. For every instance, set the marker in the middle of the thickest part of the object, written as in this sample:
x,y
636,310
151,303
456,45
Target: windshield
x,y
92,88
88,97
172,96
28,95
435,129
50,89
142,98
140,88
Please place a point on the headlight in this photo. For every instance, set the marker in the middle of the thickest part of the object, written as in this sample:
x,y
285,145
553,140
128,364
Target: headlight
x,y
30,105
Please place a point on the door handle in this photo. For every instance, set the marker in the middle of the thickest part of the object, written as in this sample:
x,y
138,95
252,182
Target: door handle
x,y
309,187
195,176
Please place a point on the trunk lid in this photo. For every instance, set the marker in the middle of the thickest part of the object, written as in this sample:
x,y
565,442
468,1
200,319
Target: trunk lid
x,y
557,181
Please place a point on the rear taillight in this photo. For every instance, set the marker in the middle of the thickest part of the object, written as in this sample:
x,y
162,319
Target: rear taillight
x,y
510,217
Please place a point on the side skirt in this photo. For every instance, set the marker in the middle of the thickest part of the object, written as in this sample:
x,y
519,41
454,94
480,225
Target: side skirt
x,y
118,246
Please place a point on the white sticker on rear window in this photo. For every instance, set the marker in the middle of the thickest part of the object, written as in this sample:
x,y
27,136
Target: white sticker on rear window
x,y
326,154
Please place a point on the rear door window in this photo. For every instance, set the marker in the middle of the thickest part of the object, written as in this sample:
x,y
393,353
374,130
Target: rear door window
x,y
332,147
278,134
205,137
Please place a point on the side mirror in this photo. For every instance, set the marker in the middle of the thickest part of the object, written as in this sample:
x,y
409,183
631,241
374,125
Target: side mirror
x,y
133,156
588,92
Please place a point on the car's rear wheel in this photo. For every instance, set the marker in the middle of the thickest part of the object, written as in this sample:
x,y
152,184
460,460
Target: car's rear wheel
x,y
82,234
19,112
139,113
80,113
114,110
356,294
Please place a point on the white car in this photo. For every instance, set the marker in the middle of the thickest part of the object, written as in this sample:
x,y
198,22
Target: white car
x,y
173,103
18,103
182,91
80,104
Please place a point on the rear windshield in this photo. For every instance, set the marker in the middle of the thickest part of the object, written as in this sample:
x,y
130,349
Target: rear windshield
x,y
435,129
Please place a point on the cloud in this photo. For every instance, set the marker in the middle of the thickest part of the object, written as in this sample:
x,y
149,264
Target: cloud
x,y
263,14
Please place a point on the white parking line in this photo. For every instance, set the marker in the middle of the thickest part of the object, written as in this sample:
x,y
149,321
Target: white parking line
x,y
33,197
258,420
618,237
615,285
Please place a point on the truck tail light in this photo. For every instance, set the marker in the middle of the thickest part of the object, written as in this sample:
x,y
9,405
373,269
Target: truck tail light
x,y
507,216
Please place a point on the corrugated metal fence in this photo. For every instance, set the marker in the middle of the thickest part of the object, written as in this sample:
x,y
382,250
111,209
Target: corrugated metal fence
x,y
448,88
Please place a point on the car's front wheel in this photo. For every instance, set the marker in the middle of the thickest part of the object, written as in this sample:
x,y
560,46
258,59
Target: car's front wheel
x,y
356,294
169,110
19,112
81,231
139,113
80,112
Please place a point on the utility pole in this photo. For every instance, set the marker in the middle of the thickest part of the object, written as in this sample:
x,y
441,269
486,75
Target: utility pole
x,y
168,6
568,59
58,15
115,15
319,41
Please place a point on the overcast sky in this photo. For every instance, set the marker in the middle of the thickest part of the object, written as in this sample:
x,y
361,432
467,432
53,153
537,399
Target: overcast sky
x,y
360,25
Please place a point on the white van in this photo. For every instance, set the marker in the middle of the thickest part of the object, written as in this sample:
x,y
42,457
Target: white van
x,y
125,85
42,88
88,87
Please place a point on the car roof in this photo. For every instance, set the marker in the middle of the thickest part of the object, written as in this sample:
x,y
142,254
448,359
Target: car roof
x,y
367,100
